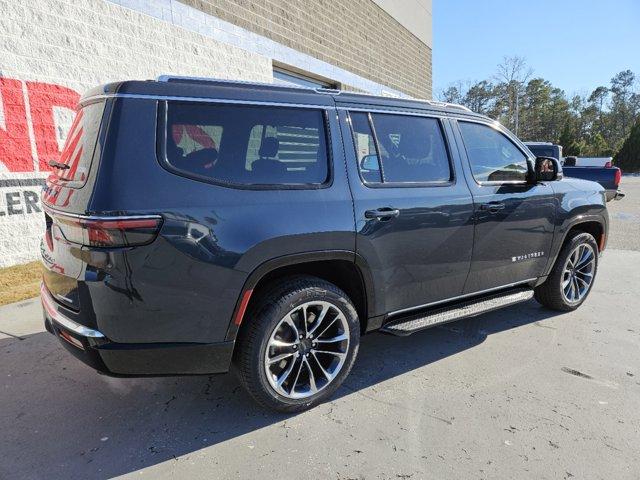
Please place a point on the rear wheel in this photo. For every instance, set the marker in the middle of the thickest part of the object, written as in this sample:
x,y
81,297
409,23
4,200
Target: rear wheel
x,y
572,276
298,345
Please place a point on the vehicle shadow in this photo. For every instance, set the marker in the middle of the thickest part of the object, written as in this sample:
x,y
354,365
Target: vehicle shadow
x,y
60,419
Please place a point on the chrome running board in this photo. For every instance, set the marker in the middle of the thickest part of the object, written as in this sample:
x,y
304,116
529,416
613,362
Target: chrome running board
x,y
457,311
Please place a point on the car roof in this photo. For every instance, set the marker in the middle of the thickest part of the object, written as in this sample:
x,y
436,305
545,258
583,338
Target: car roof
x,y
175,88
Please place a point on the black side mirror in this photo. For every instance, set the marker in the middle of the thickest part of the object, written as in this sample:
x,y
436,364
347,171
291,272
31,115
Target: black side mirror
x,y
547,169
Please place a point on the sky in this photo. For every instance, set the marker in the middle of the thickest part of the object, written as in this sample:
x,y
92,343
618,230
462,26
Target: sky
x,y
575,44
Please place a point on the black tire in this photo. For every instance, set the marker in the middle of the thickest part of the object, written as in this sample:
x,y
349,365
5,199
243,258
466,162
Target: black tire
x,y
550,293
264,317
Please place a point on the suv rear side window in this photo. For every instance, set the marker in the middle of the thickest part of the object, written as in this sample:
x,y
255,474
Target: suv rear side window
x,y
75,159
247,145
410,149
493,157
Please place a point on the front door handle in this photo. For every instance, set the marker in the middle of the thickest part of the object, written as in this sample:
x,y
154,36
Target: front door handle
x,y
385,213
492,207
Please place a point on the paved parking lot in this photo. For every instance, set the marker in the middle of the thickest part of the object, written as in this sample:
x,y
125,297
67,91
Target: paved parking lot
x,y
519,393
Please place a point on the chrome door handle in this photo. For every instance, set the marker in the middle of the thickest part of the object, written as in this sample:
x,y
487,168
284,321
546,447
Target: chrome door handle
x,y
492,207
385,213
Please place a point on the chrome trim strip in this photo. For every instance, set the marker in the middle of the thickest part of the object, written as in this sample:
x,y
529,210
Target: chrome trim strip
x,y
419,112
459,297
93,98
56,316
59,213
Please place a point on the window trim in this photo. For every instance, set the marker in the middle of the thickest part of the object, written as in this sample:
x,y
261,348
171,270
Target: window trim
x,y
161,150
439,119
502,131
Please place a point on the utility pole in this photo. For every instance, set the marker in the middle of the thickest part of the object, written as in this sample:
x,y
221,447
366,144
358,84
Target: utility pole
x,y
517,108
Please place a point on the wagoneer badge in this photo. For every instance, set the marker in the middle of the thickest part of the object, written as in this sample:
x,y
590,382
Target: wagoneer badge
x,y
527,256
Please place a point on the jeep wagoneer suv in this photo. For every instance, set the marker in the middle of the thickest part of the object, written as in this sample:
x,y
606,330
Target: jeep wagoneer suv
x,y
193,224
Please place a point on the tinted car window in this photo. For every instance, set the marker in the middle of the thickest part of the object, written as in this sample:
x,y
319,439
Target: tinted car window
x,y
365,148
492,156
250,145
75,159
411,149
542,151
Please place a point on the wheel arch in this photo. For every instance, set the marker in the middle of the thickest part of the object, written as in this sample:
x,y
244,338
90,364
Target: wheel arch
x,y
344,268
596,225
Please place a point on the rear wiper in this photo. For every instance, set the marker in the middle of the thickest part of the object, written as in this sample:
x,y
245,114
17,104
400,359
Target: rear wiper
x,y
56,164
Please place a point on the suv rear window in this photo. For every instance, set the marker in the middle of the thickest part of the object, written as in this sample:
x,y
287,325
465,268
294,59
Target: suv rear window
x,y
75,159
247,145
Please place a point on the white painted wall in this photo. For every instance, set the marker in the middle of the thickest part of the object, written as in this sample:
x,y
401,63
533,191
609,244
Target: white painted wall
x,y
414,15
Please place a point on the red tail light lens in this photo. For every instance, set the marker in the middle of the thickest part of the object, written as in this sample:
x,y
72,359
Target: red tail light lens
x,y
618,177
108,231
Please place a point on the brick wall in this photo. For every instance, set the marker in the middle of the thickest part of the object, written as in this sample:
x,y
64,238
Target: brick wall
x,y
50,52
356,35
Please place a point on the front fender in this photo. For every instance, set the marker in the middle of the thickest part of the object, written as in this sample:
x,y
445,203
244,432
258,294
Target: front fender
x,y
577,202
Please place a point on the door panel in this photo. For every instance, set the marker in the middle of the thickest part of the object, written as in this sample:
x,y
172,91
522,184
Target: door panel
x,y
422,252
511,244
514,220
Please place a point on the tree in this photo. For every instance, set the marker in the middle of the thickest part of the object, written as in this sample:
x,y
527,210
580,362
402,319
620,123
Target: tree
x,y
452,94
598,98
514,73
594,124
628,157
480,97
572,145
623,111
597,146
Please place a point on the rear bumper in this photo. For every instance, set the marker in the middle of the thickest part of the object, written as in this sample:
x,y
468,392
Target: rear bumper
x,y
614,195
132,359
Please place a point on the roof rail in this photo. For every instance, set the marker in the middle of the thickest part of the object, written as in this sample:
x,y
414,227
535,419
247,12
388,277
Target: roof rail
x,y
177,78
437,103
328,91
213,81
322,90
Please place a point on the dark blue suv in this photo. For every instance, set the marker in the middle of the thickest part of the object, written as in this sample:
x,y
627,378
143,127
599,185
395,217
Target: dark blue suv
x,y
195,223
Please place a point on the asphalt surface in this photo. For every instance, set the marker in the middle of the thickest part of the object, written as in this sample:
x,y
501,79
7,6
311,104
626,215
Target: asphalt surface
x,y
519,393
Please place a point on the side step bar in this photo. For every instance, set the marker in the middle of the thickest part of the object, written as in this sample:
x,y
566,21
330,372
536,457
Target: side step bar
x,y
469,308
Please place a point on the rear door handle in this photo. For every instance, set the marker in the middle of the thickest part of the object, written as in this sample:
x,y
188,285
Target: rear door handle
x,y
384,213
492,207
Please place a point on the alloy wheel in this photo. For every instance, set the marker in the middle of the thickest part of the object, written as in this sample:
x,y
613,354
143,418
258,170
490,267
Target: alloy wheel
x,y
578,272
307,349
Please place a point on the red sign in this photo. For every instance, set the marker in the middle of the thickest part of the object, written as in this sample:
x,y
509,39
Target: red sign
x,y
29,107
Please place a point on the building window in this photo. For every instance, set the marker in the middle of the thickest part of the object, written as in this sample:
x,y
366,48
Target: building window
x,y
285,77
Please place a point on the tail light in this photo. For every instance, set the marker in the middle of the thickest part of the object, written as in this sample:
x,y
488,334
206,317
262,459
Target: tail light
x,y
106,231
618,177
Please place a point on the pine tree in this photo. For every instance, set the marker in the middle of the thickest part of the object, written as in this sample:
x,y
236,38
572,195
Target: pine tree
x,y
628,157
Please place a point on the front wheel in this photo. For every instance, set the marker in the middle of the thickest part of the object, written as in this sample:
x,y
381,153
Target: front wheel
x,y
299,344
572,276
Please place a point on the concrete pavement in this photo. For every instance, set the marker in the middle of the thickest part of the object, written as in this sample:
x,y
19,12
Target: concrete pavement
x,y
518,393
